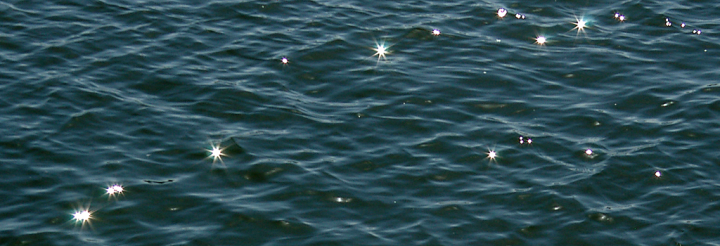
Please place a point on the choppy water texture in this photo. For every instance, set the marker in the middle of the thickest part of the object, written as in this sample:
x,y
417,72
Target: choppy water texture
x,y
338,147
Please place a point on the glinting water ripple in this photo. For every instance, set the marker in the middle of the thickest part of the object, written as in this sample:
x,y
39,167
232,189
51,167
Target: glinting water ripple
x,y
359,123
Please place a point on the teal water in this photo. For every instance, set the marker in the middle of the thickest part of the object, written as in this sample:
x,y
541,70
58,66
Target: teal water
x,y
342,147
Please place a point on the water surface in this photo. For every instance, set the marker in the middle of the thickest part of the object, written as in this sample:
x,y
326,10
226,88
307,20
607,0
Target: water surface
x,y
338,147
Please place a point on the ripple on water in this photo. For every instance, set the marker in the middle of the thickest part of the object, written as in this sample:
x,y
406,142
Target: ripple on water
x,y
338,146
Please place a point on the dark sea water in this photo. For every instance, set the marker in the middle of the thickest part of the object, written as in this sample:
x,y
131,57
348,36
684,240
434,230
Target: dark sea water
x,y
342,147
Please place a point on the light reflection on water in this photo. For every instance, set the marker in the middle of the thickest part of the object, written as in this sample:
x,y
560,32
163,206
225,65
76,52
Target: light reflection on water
x,y
590,134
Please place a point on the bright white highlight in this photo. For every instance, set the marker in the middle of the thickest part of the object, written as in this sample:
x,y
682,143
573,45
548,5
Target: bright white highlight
x,y
580,24
492,155
380,51
81,216
525,140
216,153
114,189
501,12
284,60
658,174
619,17
588,152
436,32
540,40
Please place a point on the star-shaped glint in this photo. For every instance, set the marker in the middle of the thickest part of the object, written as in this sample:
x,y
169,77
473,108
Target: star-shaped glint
x,y
113,190
580,25
83,215
380,51
216,153
540,40
492,155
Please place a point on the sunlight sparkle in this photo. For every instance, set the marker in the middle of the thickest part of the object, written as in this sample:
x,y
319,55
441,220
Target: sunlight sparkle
x,y
216,153
492,155
501,12
525,140
580,24
114,189
284,60
381,51
588,152
436,32
540,40
82,216
658,174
